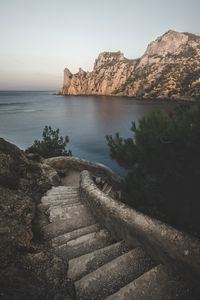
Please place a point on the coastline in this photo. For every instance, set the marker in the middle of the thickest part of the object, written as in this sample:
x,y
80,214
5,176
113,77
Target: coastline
x,y
150,99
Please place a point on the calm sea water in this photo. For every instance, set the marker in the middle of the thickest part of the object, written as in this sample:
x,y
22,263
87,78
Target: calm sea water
x,y
86,120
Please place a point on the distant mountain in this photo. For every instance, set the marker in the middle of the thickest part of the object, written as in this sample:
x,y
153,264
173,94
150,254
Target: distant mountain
x,y
169,68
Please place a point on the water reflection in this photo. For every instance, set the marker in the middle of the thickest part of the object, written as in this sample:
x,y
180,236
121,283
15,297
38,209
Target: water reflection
x,y
90,119
85,119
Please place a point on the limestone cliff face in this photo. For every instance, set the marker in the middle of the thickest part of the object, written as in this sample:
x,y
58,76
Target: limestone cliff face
x,y
111,71
170,67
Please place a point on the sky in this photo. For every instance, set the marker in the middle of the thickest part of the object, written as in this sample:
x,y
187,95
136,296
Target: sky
x,y
39,38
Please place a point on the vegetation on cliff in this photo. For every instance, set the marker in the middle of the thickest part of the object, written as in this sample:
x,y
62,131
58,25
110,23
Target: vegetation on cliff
x,y
163,164
51,145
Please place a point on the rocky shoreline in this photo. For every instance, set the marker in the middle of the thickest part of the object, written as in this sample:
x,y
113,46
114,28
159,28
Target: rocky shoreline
x,y
178,99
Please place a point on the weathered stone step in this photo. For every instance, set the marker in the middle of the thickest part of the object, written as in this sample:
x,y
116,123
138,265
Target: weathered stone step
x,y
62,189
60,192
63,239
85,264
55,198
112,276
60,196
77,217
45,206
62,212
66,201
43,212
84,244
160,283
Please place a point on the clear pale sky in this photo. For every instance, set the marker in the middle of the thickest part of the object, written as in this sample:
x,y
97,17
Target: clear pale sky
x,y
38,38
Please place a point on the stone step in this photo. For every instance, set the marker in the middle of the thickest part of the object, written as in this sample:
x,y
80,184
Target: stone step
x,y
63,239
112,276
55,198
85,264
63,212
84,244
66,191
43,207
77,217
59,200
61,195
62,189
160,283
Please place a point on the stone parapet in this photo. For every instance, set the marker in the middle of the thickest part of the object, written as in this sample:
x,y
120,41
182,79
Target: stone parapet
x,y
64,164
164,243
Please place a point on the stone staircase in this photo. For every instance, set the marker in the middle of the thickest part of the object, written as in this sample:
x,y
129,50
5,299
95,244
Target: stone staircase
x,y
100,266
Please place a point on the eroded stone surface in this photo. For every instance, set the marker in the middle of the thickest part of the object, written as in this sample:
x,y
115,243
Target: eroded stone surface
x,y
85,264
84,244
159,283
59,213
63,239
110,277
79,217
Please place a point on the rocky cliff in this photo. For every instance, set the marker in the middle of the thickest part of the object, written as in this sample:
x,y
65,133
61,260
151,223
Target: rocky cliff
x,y
27,269
170,67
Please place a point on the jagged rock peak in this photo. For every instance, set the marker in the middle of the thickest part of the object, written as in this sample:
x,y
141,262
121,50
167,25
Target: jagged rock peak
x,y
67,73
81,71
107,58
169,43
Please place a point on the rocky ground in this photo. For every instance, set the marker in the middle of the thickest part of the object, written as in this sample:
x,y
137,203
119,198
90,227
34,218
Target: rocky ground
x,y
169,68
27,269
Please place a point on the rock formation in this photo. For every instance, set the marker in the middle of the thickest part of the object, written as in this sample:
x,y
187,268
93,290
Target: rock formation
x,y
27,269
169,68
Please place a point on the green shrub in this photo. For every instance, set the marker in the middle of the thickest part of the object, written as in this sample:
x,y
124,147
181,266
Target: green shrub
x,y
162,160
51,145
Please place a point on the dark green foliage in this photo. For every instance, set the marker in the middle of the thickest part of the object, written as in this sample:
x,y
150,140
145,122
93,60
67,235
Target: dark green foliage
x,y
163,163
51,145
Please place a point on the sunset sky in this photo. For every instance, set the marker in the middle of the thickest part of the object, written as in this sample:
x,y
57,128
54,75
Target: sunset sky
x,y
41,37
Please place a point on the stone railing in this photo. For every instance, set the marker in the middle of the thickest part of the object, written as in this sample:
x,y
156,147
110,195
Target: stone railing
x,y
64,164
163,243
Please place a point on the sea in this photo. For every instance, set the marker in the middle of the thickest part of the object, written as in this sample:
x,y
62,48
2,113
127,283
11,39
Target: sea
x,y
86,120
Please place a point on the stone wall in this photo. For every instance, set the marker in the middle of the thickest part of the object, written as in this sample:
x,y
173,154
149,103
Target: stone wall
x,y
163,243
64,164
